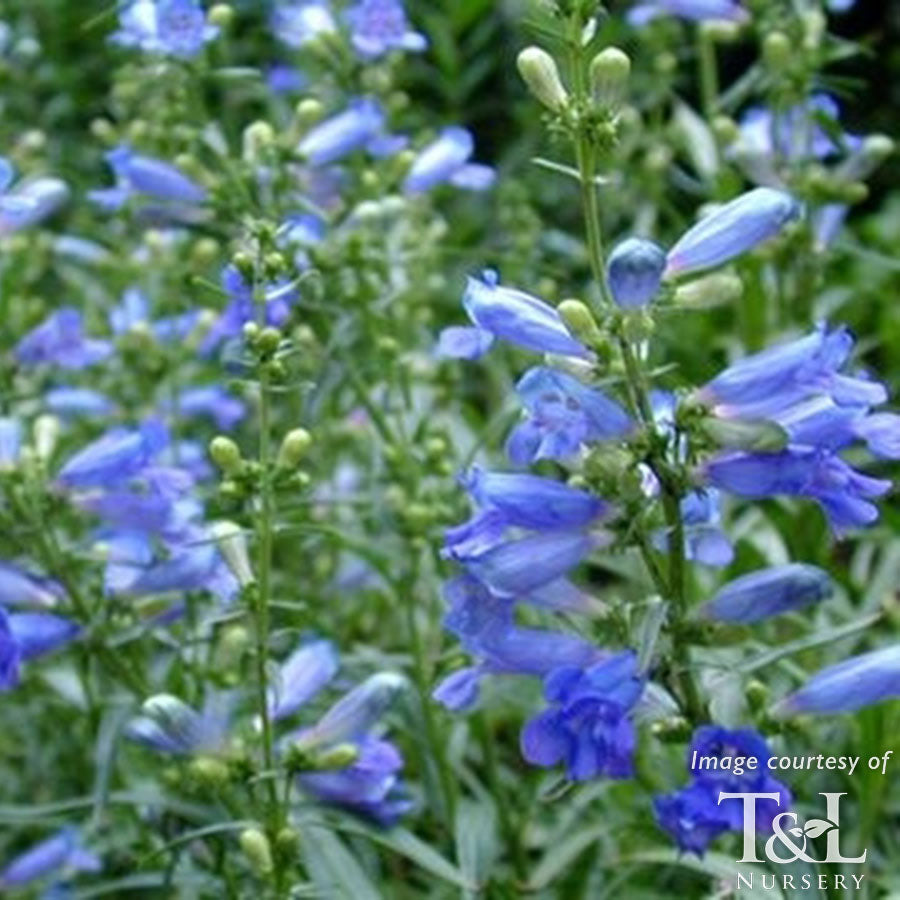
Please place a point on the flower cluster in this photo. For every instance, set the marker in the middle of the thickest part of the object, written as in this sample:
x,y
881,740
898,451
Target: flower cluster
x,y
693,816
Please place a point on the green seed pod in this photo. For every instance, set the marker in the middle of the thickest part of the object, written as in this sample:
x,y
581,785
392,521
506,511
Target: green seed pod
x,y
221,15
777,51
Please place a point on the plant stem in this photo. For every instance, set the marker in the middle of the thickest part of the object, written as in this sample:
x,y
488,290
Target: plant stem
x,y
672,587
708,74
259,598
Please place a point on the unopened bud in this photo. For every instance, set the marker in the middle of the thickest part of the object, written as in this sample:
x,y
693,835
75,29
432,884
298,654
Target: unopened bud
x,y
634,272
293,448
46,435
755,436
610,71
580,321
221,15
257,137
268,341
538,70
255,846
208,771
309,111
777,50
338,757
712,290
232,545
225,453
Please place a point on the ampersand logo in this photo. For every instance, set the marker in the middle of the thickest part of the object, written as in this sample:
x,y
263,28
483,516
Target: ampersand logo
x,y
790,840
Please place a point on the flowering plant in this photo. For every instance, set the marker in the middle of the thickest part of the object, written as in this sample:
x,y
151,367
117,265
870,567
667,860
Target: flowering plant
x,y
423,475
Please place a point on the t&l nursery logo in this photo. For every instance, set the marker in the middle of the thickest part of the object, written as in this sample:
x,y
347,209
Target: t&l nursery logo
x,y
791,842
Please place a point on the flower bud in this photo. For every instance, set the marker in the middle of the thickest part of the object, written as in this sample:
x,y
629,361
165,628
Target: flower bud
x,y
751,435
256,848
777,51
731,230
309,111
46,435
268,341
718,289
233,546
580,321
634,272
769,592
221,15
338,757
293,448
257,137
225,453
209,771
538,70
610,71
287,843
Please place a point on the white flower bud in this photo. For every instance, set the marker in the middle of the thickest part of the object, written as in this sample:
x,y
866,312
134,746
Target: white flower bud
x,y
538,70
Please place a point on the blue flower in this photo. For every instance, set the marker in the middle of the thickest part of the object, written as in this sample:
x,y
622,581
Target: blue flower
x,y
511,315
301,676
508,499
169,725
279,298
447,160
841,491
147,176
693,815
766,383
354,715
68,402
21,588
377,26
769,592
704,540
518,568
30,202
360,126
28,635
166,27
297,22
120,454
212,401
370,786
52,856
695,10
634,272
587,726
731,230
10,442
848,686
563,415
484,624
60,340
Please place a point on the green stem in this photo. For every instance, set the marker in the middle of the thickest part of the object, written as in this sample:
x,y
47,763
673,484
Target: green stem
x,y
260,598
672,586
708,74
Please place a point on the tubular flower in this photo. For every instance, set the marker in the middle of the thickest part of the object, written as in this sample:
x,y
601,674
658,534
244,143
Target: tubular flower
x,y
848,686
165,27
510,315
60,341
298,22
378,26
694,10
563,415
693,815
29,202
731,230
587,726
769,592
62,852
360,126
446,160
28,635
